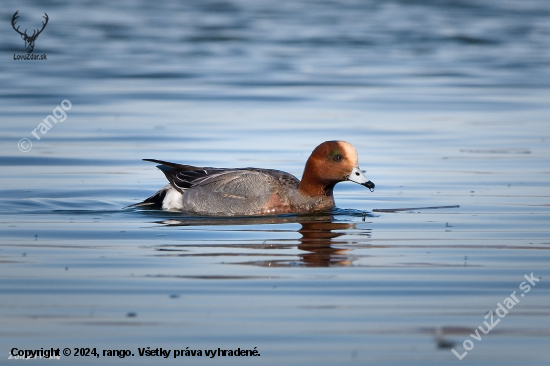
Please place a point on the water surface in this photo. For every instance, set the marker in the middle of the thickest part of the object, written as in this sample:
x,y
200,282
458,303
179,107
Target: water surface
x,y
446,103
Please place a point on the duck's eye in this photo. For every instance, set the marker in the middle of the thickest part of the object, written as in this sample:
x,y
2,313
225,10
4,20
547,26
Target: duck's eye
x,y
337,158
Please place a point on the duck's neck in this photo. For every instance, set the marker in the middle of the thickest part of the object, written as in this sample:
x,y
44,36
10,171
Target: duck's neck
x,y
312,185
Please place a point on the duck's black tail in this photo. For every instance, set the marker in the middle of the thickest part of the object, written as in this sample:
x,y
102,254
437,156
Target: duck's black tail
x,y
170,170
155,201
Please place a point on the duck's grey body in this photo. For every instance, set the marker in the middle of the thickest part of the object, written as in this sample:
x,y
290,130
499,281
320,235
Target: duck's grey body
x,y
221,191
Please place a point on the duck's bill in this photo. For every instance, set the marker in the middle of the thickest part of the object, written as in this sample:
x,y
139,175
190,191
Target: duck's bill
x,y
358,177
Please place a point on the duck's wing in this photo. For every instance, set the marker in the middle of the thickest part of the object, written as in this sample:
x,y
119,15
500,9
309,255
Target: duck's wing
x,y
188,176
233,180
232,191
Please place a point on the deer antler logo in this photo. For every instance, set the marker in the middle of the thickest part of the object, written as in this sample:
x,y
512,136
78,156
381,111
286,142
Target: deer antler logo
x,y
29,40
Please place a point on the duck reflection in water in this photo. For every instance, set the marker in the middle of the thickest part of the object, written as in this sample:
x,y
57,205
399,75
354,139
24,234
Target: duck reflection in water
x,y
318,239
322,242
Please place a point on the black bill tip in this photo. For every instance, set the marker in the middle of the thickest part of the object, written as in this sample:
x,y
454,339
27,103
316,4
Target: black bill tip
x,y
369,185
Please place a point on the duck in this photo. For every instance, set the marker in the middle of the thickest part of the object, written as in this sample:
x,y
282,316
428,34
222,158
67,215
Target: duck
x,y
256,191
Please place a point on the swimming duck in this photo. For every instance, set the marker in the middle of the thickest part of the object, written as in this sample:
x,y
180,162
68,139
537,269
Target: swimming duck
x,y
255,191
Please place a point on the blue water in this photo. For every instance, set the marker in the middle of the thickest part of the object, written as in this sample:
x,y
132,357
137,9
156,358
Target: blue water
x,y
447,103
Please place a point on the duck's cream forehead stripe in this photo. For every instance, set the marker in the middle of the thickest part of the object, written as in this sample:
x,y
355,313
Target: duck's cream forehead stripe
x,y
349,152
